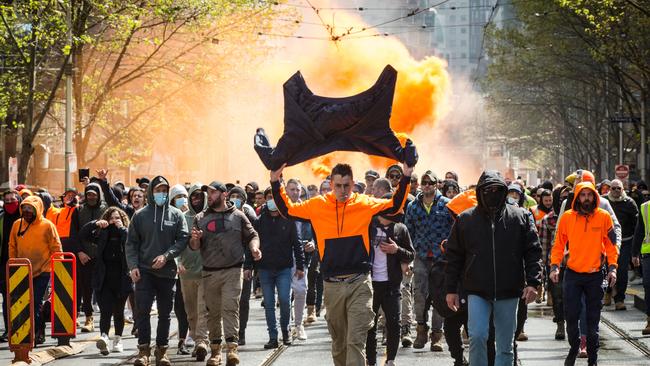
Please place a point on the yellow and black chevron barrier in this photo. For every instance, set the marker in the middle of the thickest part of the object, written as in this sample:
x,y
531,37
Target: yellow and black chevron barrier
x,y
20,308
64,296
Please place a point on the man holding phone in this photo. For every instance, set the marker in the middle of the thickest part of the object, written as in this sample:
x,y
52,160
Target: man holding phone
x,y
157,234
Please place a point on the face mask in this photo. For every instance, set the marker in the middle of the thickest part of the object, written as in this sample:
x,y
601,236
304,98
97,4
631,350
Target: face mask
x,y
236,202
270,204
28,216
511,201
493,200
72,203
180,202
160,198
11,208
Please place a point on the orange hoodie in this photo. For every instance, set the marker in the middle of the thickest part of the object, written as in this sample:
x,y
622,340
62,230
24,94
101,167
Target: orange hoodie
x,y
463,201
589,238
36,241
342,229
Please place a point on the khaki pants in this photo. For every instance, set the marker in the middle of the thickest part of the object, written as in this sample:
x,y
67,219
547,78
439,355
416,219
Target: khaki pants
x,y
349,317
407,300
197,313
222,292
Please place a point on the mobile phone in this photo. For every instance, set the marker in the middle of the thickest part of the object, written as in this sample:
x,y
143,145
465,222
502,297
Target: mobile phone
x,y
84,173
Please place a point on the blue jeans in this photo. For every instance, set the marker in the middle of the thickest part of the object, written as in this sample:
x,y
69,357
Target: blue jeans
x,y
645,264
40,285
270,280
148,288
505,323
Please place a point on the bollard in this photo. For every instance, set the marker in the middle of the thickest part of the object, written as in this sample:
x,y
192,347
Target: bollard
x,y
64,297
20,306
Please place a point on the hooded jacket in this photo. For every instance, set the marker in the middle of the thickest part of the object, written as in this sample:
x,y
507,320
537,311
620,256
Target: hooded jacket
x,y
226,238
191,259
112,200
84,214
176,190
36,241
626,212
156,231
315,125
495,255
588,237
342,229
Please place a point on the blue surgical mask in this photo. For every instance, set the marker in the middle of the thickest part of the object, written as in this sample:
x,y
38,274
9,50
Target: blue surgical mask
x,y
180,202
270,204
236,202
160,198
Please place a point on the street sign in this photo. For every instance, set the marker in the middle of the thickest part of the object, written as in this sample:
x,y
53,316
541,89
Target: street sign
x,y
13,173
624,119
622,171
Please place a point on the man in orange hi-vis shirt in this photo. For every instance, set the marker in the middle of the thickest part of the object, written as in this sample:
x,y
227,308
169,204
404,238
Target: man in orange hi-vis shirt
x,y
588,231
341,221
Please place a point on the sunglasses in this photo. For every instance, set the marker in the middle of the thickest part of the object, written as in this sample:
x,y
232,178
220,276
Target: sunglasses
x,y
615,188
428,183
394,176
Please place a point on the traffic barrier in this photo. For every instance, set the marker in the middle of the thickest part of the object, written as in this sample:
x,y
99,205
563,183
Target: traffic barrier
x,y
64,297
20,306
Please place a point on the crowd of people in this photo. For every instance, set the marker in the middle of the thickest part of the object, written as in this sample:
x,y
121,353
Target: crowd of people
x,y
417,259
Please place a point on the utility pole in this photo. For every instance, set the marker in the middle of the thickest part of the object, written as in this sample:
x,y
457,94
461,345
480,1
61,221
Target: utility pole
x,y
642,161
68,100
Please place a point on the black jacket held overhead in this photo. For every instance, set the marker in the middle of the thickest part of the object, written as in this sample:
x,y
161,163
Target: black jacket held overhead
x,y
495,255
316,125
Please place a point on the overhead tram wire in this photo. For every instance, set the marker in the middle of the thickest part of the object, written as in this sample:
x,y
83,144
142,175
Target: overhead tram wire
x,y
480,53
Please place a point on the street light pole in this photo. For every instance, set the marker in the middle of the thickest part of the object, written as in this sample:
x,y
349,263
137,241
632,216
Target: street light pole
x,y
68,101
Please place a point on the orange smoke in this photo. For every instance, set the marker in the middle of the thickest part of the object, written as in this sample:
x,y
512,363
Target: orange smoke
x,y
353,65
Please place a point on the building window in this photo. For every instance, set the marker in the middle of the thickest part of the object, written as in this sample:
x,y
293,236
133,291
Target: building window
x,y
463,43
463,31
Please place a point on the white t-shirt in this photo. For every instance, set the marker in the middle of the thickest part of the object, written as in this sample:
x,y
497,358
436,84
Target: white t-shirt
x,y
379,262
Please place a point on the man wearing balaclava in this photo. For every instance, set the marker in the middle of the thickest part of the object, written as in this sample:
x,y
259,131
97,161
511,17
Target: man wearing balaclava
x,y
92,209
157,234
590,232
486,248
35,238
626,212
10,214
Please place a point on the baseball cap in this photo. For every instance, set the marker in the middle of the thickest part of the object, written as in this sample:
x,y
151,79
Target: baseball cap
x,y
215,185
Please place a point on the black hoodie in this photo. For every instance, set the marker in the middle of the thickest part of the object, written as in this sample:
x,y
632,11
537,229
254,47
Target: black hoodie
x,y
494,254
6,223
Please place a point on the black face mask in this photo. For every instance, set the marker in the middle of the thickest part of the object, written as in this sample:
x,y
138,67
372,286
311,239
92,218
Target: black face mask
x,y
250,197
29,216
72,203
493,200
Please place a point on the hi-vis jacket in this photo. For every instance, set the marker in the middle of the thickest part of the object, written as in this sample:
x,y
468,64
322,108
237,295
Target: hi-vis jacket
x,y
589,238
342,228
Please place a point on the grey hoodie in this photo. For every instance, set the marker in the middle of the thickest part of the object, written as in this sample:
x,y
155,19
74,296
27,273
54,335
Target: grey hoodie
x,y
156,231
191,259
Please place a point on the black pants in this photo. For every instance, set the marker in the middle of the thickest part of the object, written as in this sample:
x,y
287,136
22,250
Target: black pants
x,y
558,300
111,303
148,288
244,306
3,289
453,337
85,287
575,286
314,283
389,298
179,310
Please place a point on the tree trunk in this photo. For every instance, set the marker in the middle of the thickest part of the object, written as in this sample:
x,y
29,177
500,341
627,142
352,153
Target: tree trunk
x,y
24,157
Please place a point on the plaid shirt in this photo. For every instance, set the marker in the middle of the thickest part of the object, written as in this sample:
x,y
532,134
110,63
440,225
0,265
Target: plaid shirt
x,y
428,230
547,233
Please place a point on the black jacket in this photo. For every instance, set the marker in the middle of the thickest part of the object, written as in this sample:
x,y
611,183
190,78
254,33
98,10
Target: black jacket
x,y
405,254
279,242
91,233
626,212
495,255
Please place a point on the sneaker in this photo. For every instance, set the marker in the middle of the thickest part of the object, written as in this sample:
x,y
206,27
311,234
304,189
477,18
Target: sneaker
x,y
583,347
189,342
300,333
102,344
118,347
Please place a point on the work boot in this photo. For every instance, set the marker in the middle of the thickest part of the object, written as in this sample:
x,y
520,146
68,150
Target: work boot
x,y
161,356
144,352
646,331
311,315
215,357
436,341
570,359
620,306
182,348
422,331
232,356
89,325
523,337
607,301
201,350
559,332
407,341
